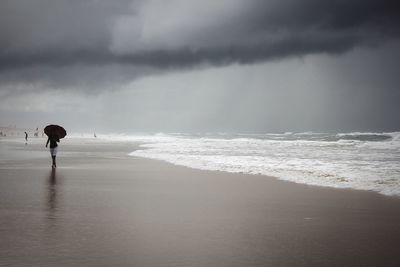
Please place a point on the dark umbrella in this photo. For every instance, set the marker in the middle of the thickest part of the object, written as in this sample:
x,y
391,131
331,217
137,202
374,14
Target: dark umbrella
x,y
55,131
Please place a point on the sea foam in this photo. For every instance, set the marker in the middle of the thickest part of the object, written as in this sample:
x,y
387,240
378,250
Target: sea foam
x,y
367,161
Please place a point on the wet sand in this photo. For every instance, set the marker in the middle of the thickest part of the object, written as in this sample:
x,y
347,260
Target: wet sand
x,y
101,207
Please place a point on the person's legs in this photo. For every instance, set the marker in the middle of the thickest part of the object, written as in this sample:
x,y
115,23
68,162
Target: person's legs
x,y
53,152
54,161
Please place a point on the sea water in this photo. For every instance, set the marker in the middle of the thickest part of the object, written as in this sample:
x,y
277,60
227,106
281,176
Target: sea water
x,y
367,161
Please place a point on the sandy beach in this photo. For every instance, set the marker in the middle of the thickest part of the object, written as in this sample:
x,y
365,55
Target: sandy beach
x,y
101,207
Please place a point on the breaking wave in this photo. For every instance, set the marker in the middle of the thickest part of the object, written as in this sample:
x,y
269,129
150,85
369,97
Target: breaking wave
x,y
366,161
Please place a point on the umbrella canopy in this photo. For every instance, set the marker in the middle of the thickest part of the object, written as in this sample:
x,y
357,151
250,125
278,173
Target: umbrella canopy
x,y
55,131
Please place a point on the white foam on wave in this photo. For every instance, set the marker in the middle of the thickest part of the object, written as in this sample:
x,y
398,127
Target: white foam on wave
x,y
366,165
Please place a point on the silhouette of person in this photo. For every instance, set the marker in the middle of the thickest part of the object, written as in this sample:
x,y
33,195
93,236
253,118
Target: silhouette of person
x,y
53,148
26,137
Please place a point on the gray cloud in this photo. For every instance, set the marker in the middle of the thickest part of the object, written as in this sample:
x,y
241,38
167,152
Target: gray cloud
x,y
182,65
183,33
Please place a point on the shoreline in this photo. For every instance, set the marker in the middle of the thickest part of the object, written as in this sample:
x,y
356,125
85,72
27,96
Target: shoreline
x,y
129,146
102,207
263,176
122,145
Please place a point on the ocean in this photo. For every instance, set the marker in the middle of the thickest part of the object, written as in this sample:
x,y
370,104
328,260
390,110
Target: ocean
x,y
366,161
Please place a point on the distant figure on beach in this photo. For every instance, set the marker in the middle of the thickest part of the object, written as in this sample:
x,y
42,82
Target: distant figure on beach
x,y
26,138
95,135
53,148
36,134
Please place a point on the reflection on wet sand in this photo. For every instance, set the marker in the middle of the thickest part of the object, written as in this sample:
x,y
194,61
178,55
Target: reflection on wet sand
x,y
52,199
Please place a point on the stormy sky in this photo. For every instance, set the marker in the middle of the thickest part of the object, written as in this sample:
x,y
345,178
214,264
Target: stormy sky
x,y
201,66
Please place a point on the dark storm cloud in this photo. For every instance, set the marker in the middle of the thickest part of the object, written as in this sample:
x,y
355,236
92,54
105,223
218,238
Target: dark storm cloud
x,y
105,58
184,56
63,33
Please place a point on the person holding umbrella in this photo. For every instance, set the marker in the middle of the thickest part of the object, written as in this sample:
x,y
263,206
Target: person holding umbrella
x,y
54,133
